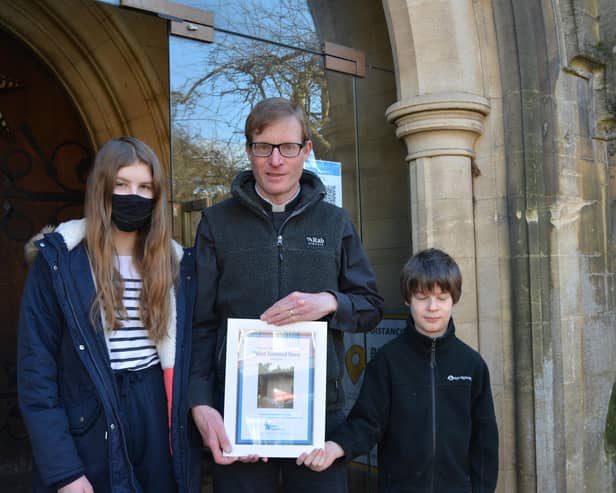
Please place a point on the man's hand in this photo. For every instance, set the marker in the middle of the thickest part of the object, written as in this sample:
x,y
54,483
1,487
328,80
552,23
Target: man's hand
x,y
80,485
212,429
300,307
321,458
210,425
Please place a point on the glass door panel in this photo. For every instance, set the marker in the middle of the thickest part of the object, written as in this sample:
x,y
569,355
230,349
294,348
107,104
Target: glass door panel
x,y
214,87
287,22
384,189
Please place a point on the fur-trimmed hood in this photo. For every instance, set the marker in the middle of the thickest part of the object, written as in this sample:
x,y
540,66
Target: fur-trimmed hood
x,y
73,233
30,249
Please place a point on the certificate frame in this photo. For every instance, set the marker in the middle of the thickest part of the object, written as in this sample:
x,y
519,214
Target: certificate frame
x,y
275,387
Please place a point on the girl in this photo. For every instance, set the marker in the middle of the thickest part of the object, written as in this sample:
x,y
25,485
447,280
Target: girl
x,y
104,337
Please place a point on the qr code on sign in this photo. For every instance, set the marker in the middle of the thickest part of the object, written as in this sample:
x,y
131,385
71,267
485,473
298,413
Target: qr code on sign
x,y
330,194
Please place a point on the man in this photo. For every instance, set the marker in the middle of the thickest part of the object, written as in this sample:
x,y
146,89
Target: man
x,y
276,251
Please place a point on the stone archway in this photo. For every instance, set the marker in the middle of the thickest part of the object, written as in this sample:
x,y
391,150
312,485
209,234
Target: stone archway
x,y
79,73
112,62
449,114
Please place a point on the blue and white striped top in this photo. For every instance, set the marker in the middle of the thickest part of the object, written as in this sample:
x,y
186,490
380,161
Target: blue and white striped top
x,y
129,346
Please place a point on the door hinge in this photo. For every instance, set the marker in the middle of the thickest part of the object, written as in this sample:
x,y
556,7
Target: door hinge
x,y
344,59
187,22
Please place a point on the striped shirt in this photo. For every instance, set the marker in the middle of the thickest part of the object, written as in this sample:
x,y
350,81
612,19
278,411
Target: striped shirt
x,y
129,346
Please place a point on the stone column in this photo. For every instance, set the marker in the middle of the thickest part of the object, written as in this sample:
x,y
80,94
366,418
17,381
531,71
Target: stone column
x,y
448,80
440,131
439,114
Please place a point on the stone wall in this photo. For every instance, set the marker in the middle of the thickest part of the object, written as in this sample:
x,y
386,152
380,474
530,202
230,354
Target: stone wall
x,y
530,215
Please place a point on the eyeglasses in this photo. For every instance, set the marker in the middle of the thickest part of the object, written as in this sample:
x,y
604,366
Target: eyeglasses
x,y
286,149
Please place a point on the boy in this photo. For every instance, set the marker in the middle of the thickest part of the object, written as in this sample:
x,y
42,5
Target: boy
x,y
425,398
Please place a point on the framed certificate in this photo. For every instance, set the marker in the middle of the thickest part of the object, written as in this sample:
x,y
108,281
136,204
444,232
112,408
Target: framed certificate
x,y
275,387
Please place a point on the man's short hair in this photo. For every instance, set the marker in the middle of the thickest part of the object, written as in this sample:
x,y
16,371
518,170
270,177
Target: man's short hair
x,y
270,110
427,269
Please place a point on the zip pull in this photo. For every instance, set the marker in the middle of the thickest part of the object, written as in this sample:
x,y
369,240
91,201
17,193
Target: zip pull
x,y
433,355
279,245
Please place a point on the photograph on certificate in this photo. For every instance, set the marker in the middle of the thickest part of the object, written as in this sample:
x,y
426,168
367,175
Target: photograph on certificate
x,y
275,387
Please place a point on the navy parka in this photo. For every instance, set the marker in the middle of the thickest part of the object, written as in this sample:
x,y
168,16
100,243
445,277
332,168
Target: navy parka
x,y
66,388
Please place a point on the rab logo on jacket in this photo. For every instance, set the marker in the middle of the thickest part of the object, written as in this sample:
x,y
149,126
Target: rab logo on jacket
x,y
451,378
315,241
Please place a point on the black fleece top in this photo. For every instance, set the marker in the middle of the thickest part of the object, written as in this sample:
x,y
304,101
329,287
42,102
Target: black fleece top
x,y
428,404
247,259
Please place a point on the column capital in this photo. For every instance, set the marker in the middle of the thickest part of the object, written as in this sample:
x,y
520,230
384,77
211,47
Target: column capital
x,y
439,124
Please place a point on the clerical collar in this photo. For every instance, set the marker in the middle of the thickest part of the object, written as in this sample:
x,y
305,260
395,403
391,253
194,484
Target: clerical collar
x,y
279,207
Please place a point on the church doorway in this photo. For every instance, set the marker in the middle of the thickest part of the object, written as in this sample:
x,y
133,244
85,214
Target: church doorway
x,y
45,155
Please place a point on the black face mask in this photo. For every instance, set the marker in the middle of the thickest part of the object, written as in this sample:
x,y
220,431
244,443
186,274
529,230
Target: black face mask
x,y
131,212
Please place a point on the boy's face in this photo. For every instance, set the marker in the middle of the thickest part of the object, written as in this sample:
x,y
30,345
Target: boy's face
x,y
431,311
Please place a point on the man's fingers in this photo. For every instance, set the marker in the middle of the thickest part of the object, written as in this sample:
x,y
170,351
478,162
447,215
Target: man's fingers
x,y
286,310
216,453
223,440
225,461
212,429
309,459
249,458
299,306
218,456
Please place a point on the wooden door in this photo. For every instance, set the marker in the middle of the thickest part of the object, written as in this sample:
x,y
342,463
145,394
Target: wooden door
x,y
45,155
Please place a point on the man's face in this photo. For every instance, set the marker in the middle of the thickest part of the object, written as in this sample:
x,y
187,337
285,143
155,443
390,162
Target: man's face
x,y
278,176
431,311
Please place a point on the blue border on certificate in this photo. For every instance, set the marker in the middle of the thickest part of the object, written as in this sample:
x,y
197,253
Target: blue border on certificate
x,y
310,401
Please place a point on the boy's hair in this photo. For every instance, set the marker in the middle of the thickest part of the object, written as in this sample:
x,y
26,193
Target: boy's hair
x,y
427,269
271,110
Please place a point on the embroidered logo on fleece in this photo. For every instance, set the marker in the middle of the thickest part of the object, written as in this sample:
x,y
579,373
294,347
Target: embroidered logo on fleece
x,y
452,378
315,241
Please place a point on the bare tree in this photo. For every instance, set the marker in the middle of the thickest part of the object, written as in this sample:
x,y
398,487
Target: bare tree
x,y
276,55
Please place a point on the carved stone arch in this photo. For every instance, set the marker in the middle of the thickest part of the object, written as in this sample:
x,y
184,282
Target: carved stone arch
x,y
440,113
112,62
450,115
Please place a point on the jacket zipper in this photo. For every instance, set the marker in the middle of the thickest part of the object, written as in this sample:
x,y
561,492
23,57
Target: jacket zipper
x,y
279,245
280,241
433,381
280,259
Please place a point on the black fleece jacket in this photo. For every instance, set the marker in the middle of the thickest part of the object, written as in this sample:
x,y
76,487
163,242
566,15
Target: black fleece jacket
x,y
428,404
246,261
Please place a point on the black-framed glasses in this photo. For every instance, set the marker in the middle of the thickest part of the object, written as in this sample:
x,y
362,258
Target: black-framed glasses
x,y
265,149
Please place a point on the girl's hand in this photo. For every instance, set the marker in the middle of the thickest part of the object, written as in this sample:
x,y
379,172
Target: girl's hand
x,y
80,485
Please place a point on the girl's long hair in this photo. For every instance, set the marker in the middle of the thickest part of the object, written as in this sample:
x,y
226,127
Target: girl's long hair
x,y
153,256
